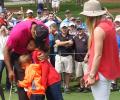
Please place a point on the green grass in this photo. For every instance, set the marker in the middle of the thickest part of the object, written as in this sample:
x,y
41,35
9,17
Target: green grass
x,y
72,96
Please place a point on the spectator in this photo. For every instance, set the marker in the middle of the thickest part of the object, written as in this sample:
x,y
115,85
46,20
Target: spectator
x,y
55,5
1,8
3,39
40,5
52,19
45,15
30,16
117,21
12,21
72,19
80,51
67,16
72,29
39,14
52,33
63,58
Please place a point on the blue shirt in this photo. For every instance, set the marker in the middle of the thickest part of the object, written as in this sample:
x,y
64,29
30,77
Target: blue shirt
x,y
118,40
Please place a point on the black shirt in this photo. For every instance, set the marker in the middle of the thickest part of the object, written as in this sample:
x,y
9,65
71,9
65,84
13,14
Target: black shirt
x,y
81,47
62,50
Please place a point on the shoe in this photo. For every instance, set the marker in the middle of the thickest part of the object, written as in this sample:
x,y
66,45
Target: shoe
x,y
86,90
114,86
67,90
80,89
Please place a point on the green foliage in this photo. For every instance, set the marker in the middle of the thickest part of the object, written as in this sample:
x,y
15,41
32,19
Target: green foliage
x,y
111,5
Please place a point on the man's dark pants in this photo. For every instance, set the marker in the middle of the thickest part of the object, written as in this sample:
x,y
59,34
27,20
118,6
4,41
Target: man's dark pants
x,y
19,75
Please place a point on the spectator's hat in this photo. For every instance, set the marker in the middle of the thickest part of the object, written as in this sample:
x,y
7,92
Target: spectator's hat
x,y
39,11
71,24
78,19
29,11
117,18
92,8
72,19
45,9
80,28
118,29
64,25
67,12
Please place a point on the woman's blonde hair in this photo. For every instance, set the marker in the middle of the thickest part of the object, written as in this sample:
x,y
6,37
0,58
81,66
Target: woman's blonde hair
x,y
91,24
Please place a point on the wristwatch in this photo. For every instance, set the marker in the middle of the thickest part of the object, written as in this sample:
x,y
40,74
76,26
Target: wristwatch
x,y
92,76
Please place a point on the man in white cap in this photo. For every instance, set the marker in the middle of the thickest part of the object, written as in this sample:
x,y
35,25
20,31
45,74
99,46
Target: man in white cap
x,y
103,60
63,58
29,14
117,21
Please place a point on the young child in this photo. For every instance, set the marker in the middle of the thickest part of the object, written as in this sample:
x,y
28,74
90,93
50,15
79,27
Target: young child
x,y
32,79
50,77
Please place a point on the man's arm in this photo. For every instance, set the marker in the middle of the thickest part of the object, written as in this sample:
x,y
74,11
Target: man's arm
x,y
8,63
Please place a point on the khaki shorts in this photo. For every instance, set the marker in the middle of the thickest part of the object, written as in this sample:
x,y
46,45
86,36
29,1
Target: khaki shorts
x,y
80,69
64,64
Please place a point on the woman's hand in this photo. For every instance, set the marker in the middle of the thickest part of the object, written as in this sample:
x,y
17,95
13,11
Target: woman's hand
x,y
86,58
90,81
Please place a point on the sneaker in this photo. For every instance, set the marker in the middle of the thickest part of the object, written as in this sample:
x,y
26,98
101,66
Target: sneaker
x,y
67,90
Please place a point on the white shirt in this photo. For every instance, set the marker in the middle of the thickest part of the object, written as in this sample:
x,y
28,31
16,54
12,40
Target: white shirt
x,y
48,23
3,40
0,9
40,1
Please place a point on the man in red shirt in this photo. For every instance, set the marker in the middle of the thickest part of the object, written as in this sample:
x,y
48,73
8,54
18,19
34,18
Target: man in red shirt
x,y
16,45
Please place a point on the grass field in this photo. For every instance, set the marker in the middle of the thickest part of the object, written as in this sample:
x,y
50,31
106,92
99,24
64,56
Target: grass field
x,y
75,11
72,96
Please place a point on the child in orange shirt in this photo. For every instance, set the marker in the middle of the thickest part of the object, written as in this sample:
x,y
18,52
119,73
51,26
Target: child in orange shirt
x,y
32,79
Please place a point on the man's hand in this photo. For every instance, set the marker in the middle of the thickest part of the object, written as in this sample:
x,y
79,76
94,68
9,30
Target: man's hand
x,y
11,76
70,42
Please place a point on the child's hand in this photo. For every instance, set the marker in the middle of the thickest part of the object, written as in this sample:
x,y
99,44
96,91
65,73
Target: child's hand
x,y
42,56
18,83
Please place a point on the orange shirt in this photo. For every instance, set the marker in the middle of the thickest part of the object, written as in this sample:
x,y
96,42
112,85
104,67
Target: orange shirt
x,y
32,80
